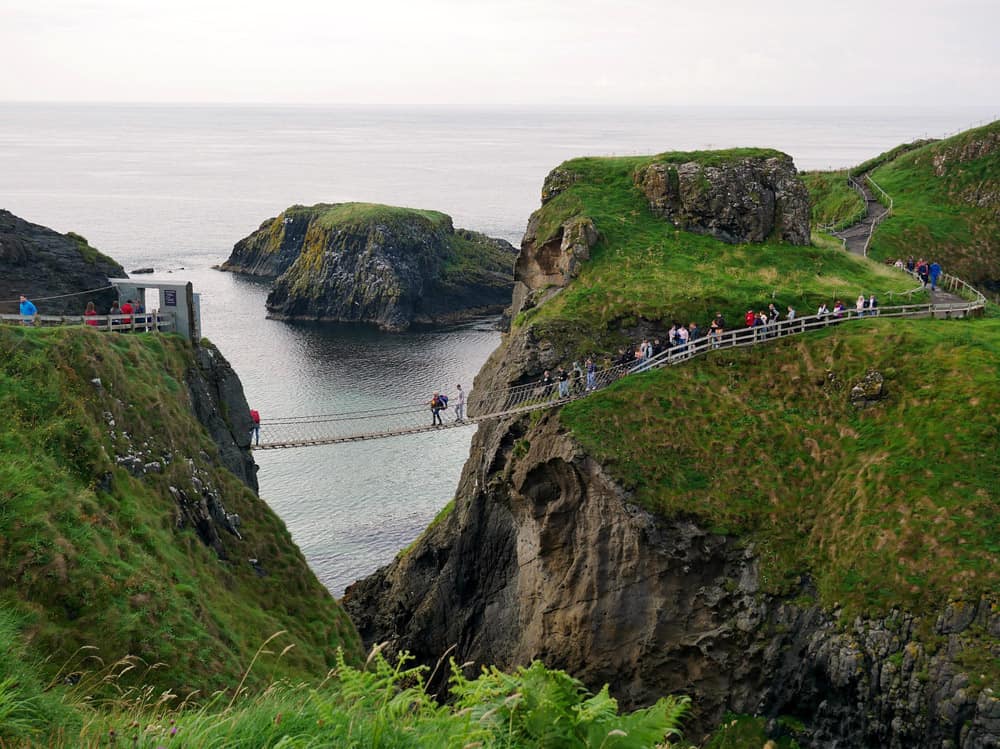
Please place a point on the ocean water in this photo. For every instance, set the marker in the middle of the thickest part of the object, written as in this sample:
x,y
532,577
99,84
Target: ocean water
x,y
174,187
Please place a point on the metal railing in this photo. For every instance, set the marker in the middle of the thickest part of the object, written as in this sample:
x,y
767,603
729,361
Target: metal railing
x,y
783,328
142,322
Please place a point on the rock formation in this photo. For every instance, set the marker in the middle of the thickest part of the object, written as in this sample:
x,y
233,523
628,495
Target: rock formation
x,y
353,262
219,404
40,262
746,201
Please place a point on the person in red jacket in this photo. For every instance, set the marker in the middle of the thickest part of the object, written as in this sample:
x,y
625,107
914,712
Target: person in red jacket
x,y
127,309
255,425
749,318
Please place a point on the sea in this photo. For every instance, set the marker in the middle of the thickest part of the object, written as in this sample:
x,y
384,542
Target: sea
x,y
173,187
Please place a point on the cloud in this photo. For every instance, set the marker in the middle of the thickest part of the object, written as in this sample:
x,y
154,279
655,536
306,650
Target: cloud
x,y
458,52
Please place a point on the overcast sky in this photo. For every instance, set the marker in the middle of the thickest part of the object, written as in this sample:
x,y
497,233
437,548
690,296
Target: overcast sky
x,y
502,52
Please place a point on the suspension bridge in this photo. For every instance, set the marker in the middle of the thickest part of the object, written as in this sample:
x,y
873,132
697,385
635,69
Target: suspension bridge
x,y
957,299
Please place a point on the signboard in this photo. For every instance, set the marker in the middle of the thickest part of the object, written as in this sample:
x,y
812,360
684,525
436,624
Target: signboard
x,y
169,297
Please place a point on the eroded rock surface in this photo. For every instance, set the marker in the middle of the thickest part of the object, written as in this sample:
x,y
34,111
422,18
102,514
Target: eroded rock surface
x,y
749,200
40,262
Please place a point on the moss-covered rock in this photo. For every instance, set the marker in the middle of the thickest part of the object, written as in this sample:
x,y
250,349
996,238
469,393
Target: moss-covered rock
x,y
40,262
361,262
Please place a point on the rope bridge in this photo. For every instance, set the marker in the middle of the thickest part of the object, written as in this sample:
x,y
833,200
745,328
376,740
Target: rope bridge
x,y
415,418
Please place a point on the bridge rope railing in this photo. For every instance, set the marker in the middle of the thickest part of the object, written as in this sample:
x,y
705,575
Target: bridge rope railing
x,y
412,418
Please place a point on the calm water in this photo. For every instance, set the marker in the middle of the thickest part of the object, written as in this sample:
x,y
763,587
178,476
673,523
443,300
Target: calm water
x,y
175,187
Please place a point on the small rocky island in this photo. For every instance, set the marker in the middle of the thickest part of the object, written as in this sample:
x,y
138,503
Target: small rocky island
x,y
363,262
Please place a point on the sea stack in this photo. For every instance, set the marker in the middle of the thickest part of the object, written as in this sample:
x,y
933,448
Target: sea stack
x,y
362,262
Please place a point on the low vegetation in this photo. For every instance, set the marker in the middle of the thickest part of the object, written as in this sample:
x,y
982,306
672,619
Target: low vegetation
x,y
379,704
835,205
892,505
642,269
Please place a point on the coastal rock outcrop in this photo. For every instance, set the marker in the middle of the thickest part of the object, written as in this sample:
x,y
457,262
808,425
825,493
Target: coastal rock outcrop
x,y
550,560
748,200
357,262
40,262
545,554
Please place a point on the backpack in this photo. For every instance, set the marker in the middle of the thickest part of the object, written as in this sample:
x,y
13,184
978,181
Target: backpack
x,y
443,401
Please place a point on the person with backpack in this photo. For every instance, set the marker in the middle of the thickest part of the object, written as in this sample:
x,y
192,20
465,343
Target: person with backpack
x,y
437,406
563,376
933,274
255,426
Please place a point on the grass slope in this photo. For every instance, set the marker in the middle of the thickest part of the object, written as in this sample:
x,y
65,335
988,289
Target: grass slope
x,y
642,268
834,203
946,205
892,505
92,561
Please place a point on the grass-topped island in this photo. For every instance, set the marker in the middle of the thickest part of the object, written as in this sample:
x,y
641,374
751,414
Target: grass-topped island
x,y
365,262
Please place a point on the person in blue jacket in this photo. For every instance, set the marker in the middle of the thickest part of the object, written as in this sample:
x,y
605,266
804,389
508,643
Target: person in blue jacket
x,y
28,311
935,273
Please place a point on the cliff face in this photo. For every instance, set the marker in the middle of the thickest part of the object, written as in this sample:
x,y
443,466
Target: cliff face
x,y
551,560
220,406
39,262
551,553
366,263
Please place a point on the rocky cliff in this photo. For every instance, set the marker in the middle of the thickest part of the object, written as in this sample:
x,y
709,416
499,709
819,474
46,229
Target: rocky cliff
x,y
357,262
720,531
39,262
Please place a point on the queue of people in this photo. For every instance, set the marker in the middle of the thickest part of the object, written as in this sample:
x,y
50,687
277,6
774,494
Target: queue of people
x,y
928,271
121,316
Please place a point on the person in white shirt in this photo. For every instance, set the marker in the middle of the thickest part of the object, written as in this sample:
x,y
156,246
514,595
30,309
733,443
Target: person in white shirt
x,y
460,404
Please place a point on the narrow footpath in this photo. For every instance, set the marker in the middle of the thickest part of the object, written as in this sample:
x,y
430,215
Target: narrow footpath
x,y
856,235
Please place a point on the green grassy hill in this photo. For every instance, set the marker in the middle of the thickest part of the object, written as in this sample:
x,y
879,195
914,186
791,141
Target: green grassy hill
x,y
92,555
642,269
834,203
946,205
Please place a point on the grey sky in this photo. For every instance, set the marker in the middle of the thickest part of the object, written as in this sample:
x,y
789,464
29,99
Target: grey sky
x,y
468,53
